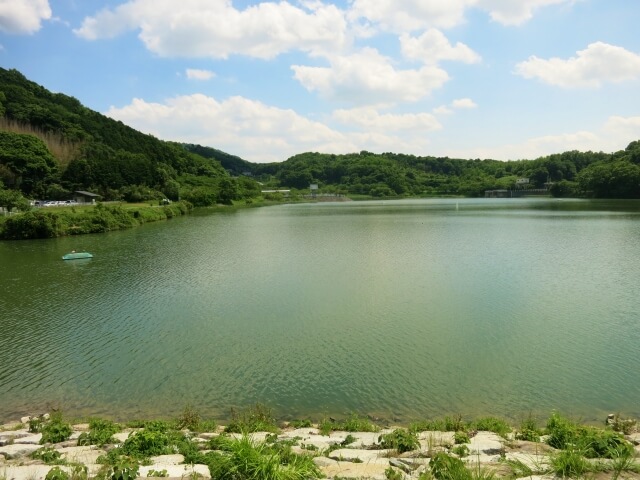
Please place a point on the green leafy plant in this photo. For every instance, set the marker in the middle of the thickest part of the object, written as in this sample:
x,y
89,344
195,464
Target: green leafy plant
x,y
157,473
400,439
461,450
529,430
48,455
56,473
55,430
100,432
392,474
125,470
591,441
348,440
189,419
461,437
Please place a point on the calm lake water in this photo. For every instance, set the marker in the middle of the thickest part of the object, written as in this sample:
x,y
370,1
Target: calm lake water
x,y
399,309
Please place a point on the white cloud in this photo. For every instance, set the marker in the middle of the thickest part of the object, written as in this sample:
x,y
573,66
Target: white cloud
x,y
442,110
214,28
510,12
262,133
370,119
616,133
196,74
432,46
597,64
412,15
460,103
244,127
368,78
463,103
23,16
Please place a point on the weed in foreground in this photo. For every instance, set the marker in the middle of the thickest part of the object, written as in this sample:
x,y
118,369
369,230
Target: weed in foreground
x,y
255,419
400,440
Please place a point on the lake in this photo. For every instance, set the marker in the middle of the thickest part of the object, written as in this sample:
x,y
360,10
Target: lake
x,y
397,309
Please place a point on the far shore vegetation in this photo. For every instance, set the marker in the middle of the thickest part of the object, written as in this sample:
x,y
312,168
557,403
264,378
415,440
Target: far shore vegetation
x,y
52,146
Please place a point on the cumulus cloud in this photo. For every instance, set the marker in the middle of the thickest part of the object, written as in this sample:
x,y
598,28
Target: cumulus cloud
x,y
459,103
463,103
23,16
215,29
412,15
615,134
251,129
432,46
510,12
262,133
597,64
367,77
196,74
370,119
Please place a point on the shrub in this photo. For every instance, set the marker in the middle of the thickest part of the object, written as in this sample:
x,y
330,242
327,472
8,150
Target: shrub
x,y
56,473
100,433
461,437
147,443
48,455
55,430
400,440
529,430
592,442
254,419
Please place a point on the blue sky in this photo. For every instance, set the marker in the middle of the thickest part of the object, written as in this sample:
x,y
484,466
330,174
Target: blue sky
x,y
503,79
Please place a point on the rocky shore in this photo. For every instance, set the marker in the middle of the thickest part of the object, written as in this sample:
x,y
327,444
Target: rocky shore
x,y
389,453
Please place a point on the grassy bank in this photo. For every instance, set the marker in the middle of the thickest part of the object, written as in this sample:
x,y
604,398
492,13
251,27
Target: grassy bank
x,y
50,223
254,446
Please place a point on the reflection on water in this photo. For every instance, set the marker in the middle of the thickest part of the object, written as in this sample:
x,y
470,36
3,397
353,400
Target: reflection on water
x,y
402,309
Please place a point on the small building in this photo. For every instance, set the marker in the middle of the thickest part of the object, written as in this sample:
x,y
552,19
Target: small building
x,y
85,197
522,181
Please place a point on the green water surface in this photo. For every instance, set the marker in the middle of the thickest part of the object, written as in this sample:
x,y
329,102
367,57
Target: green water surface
x,y
399,309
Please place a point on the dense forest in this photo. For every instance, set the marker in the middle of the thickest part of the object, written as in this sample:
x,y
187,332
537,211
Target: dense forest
x,y
51,145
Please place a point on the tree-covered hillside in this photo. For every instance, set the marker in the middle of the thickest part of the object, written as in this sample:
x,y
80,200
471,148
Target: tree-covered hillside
x,y
570,173
51,145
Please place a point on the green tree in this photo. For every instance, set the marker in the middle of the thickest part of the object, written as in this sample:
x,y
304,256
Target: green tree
x,y
11,199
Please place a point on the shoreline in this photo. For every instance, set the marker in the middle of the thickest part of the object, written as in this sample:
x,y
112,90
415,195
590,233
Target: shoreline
x,y
252,445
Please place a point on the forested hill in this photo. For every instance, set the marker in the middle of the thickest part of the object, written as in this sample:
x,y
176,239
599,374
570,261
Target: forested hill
x,y
51,145
570,173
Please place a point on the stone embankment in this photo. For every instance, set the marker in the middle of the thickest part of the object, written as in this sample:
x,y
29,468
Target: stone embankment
x,y
339,455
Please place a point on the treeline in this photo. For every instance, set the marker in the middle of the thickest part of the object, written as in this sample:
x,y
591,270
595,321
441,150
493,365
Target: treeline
x,y
573,173
51,145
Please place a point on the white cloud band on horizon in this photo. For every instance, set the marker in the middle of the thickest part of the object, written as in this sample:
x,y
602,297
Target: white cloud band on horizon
x,y
597,64
19,17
